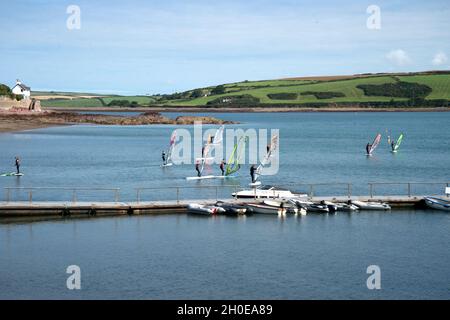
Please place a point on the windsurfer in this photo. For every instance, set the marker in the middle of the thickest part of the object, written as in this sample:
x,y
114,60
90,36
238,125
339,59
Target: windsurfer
x,y
222,166
393,143
368,146
253,172
163,155
197,168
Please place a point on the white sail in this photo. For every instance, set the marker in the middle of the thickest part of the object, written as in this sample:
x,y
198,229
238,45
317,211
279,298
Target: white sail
x,y
272,147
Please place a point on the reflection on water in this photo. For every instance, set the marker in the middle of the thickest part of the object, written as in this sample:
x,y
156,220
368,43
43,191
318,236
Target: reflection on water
x,y
255,257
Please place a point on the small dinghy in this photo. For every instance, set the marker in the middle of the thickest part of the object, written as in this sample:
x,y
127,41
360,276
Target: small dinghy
x,y
232,209
371,205
290,206
312,207
437,203
265,209
195,208
344,207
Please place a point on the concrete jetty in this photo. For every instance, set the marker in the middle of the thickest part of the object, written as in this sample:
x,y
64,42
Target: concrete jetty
x,y
26,209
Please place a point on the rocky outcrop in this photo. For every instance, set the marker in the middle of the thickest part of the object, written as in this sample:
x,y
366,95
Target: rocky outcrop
x,y
16,119
7,103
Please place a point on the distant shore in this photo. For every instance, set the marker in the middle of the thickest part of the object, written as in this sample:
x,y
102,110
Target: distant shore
x,y
19,121
245,109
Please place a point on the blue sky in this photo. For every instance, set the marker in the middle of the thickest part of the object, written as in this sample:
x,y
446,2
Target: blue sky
x,y
146,47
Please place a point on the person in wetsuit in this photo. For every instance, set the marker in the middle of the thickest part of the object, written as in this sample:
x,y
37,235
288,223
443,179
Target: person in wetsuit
x,y
368,146
393,143
222,167
18,165
163,155
253,172
197,168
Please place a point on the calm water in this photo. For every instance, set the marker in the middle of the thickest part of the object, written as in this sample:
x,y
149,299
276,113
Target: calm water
x,y
179,256
314,148
186,257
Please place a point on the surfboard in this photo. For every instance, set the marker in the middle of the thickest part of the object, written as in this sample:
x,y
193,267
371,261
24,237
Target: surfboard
x,y
200,178
167,165
254,184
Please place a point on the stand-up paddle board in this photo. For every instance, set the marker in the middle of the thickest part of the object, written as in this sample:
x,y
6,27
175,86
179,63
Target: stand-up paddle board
x,y
12,174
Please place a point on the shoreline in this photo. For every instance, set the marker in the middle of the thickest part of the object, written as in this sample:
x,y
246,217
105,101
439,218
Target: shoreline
x,y
21,121
244,109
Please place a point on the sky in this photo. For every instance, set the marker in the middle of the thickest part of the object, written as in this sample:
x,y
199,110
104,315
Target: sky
x,y
148,47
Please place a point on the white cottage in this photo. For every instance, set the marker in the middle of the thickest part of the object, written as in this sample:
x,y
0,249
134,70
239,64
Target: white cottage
x,y
22,89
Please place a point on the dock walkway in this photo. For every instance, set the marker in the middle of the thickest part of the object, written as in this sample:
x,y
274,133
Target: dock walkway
x,y
10,209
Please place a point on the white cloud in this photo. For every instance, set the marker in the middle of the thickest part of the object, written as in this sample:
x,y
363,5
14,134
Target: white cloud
x,y
399,57
439,59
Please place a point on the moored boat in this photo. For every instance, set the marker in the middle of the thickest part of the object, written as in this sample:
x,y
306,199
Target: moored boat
x,y
371,205
345,207
232,208
195,208
437,203
312,207
265,209
267,191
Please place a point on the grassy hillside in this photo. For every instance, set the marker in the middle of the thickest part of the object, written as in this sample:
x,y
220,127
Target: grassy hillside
x,y
303,92
425,89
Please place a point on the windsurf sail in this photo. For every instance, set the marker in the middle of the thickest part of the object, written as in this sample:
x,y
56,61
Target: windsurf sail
x,y
173,138
270,149
399,141
210,142
233,164
375,143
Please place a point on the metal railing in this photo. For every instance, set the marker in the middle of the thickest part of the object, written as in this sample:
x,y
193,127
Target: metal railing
x,y
74,191
177,189
175,193
407,185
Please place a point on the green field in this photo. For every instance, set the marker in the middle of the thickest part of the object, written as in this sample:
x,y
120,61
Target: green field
x,y
439,83
394,90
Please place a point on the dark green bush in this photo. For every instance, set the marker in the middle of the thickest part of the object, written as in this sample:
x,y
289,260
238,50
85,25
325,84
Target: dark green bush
x,y
398,89
283,96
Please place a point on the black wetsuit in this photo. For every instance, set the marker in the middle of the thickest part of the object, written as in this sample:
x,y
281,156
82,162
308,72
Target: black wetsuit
x,y
164,157
368,146
18,165
393,145
252,173
197,168
222,168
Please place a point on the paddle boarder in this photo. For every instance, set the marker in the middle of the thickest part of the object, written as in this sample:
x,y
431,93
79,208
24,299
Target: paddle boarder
x,y
163,155
18,165
222,166
252,173
197,168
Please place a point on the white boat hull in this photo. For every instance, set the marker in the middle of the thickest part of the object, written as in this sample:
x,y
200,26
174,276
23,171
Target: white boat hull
x,y
264,209
371,205
437,203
